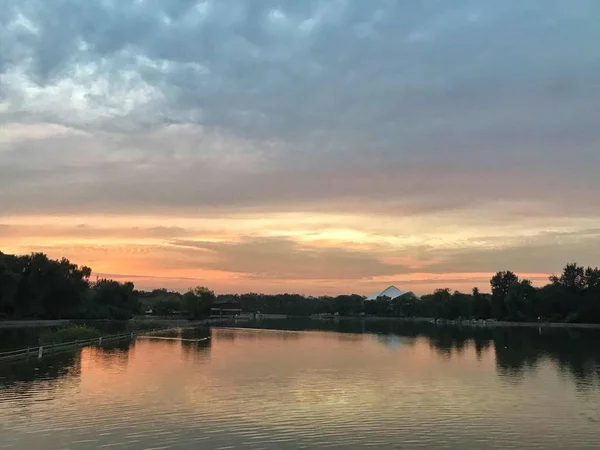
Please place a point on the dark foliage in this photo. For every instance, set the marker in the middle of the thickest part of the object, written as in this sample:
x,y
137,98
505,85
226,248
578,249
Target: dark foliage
x,y
36,287
573,296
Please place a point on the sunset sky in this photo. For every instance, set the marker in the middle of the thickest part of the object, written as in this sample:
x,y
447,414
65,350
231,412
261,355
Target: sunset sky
x,y
314,146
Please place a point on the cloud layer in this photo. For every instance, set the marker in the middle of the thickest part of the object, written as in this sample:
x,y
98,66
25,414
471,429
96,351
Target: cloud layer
x,y
392,125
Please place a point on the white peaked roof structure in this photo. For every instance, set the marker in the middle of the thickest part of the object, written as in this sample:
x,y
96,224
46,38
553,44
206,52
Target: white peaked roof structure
x,y
391,292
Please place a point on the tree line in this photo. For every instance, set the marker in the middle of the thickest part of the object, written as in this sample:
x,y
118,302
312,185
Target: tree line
x,y
37,287
573,296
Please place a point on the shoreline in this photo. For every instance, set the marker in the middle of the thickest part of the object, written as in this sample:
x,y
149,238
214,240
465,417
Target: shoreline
x,y
30,323
183,322
469,323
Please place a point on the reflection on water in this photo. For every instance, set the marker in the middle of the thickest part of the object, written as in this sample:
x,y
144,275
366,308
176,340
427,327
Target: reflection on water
x,y
309,384
517,350
17,338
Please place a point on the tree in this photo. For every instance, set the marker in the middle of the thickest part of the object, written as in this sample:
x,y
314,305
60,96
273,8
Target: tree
x,y
573,278
383,306
371,307
439,303
592,279
460,306
35,286
406,305
348,305
481,307
112,299
580,297
520,301
501,284
9,285
198,301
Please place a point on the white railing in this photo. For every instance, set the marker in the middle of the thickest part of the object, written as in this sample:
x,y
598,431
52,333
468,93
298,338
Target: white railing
x,y
51,348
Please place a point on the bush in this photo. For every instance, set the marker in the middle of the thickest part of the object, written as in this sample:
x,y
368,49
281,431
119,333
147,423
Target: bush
x,y
146,325
73,333
521,317
556,317
572,318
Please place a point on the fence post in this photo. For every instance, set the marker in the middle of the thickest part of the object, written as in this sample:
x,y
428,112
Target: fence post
x,y
27,352
100,341
40,352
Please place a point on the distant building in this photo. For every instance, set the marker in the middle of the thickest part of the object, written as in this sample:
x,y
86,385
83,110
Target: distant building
x,y
392,293
226,307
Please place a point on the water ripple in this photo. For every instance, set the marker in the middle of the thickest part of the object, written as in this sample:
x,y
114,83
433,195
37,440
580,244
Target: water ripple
x,y
256,390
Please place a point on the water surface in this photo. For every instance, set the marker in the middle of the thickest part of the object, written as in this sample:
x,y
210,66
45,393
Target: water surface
x,y
355,385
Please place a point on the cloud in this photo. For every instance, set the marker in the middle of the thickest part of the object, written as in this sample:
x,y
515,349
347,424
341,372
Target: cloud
x,y
262,258
149,105
279,68
414,115
229,260
190,169
546,252
83,231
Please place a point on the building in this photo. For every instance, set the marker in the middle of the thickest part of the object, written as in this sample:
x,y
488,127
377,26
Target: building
x,y
226,307
392,293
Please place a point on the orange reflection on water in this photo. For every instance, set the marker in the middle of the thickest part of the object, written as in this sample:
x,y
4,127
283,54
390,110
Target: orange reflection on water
x,y
253,388
288,369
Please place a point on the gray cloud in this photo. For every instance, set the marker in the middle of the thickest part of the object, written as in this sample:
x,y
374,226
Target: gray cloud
x,y
299,67
262,258
388,105
545,252
92,232
188,169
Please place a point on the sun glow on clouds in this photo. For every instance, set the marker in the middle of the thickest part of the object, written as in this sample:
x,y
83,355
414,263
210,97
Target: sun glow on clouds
x,y
319,147
278,252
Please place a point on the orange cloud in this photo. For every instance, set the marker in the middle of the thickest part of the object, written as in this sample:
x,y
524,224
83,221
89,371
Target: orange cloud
x,y
305,253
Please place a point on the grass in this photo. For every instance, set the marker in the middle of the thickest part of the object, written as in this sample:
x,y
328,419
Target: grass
x,y
72,333
146,325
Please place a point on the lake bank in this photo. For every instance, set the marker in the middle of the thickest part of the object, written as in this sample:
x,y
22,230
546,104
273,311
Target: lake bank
x,y
170,323
489,324
173,323
33,323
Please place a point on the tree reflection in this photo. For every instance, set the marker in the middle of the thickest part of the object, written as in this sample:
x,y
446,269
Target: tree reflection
x,y
25,373
21,337
198,350
21,381
24,377
272,332
115,354
196,342
517,349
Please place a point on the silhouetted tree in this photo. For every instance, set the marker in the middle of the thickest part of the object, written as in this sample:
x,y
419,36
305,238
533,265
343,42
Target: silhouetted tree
x,y
482,306
501,284
198,301
34,286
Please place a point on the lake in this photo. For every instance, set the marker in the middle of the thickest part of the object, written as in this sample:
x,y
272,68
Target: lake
x,y
312,384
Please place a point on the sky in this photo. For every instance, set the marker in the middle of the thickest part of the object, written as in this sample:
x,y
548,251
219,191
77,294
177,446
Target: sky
x,y
318,147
